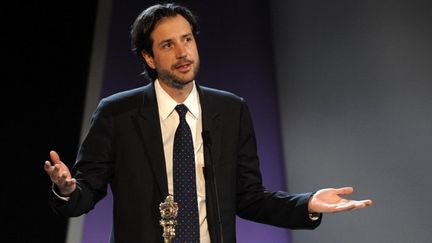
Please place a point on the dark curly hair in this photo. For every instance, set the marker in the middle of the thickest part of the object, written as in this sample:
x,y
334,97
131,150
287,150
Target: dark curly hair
x,y
144,25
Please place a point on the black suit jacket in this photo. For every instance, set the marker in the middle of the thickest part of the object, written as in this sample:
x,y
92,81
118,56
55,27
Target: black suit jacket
x,y
124,149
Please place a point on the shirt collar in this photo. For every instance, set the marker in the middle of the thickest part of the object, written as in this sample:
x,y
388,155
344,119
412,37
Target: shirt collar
x,y
166,104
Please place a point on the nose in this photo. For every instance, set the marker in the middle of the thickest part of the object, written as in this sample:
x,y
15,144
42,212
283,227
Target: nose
x,y
181,51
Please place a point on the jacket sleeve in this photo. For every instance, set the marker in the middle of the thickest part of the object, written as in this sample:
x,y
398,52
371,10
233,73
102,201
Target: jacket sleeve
x,y
254,201
93,168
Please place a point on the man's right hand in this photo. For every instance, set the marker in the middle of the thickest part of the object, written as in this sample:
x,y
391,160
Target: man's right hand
x,y
60,175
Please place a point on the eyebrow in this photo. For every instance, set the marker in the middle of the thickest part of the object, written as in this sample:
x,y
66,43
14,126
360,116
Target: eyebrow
x,y
171,39
186,35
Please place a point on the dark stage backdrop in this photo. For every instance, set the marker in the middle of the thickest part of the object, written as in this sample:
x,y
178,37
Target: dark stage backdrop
x,y
45,53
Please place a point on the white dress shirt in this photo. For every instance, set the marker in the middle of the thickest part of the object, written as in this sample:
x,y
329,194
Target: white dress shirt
x,y
169,120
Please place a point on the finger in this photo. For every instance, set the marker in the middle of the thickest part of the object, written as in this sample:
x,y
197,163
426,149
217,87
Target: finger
x,y
70,182
353,205
368,202
363,203
68,186
48,167
63,177
56,169
55,157
60,180
344,190
346,206
52,170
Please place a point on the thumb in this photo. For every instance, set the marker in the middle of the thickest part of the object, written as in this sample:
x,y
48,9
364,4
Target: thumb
x,y
344,190
55,157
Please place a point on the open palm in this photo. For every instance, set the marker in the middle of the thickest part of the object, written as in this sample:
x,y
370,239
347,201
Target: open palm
x,y
329,200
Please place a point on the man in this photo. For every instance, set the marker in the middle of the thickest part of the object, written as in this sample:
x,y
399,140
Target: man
x,y
133,146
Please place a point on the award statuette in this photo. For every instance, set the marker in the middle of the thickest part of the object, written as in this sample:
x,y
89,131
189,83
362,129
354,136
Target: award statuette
x,y
168,211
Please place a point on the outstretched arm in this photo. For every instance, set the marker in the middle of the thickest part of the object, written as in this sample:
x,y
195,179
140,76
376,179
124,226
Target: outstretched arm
x,y
329,200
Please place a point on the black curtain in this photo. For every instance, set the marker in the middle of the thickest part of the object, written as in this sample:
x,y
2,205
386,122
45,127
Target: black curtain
x,y
47,47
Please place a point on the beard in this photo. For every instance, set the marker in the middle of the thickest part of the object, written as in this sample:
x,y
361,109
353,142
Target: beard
x,y
174,81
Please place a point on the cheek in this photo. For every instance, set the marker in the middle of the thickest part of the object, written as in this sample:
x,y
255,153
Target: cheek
x,y
193,52
166,58
163,62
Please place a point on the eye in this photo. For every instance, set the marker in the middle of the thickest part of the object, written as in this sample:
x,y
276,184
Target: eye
x,y
167,45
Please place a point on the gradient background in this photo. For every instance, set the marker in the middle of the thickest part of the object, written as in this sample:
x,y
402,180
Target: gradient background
x,y
340,93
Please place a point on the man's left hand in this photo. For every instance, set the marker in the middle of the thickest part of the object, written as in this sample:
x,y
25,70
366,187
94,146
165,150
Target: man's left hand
x,y
329,200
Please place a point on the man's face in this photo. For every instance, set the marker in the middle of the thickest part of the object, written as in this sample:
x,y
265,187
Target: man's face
x,y
175,54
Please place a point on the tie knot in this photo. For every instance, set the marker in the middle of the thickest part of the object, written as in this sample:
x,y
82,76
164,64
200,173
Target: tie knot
x,y
181,110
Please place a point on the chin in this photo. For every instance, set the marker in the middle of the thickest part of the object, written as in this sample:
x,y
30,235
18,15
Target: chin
x,y
184,82
185,79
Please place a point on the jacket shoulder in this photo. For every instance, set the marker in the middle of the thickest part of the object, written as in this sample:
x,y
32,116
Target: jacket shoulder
x,y
125,100
220,95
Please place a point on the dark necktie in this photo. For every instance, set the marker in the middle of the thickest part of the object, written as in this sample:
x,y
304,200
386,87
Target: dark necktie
x,y
187,229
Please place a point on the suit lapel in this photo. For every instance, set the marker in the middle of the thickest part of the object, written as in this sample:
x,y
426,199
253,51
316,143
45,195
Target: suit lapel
x,y
210,124
148,126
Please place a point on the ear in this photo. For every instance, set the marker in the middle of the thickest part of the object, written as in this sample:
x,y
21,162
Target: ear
x,y
148,59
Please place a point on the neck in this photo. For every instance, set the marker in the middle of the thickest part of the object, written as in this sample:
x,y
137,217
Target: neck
x,y
179,94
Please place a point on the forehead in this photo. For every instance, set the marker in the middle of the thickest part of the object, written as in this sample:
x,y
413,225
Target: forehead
x,y
171,27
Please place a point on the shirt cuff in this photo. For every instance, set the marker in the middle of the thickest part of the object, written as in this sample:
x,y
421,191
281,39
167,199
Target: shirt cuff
x,y
58,196
314,216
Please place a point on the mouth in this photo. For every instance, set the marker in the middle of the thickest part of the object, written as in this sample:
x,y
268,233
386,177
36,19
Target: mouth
x,y
183,67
